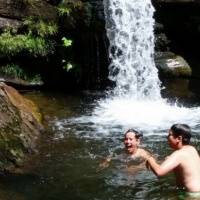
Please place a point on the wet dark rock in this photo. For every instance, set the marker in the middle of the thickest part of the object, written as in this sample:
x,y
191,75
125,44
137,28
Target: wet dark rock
x,y
12,12
20,84
175,1
15,23
161,42
180,20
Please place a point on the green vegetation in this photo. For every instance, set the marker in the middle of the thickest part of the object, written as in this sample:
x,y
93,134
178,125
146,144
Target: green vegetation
x,y
62,11
34,40
14,71
40,28
73,10
12,44
67,66
66,7
66,42
39,38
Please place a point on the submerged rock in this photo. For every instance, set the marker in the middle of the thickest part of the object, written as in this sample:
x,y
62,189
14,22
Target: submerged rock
x,y
20,126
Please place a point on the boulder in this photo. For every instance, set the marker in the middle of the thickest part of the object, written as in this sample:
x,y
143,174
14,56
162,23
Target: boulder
x,y
173,66
20,126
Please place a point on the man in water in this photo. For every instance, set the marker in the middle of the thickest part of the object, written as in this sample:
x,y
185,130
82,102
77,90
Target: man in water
x,y
132,139
184,161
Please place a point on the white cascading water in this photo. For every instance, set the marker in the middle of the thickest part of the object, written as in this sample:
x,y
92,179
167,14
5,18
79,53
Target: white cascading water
x,y
129,25
136,100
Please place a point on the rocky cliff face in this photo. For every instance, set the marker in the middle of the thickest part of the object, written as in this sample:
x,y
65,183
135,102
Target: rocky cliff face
x,y
12,12
178,29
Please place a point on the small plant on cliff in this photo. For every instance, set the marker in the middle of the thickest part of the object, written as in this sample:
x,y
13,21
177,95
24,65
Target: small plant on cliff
x,y
75,10
67,6
15,71
67,66
12,44
40,28
12,70
66,42
35,39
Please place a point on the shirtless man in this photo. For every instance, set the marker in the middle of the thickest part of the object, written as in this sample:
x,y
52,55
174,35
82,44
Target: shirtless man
x,y
184,161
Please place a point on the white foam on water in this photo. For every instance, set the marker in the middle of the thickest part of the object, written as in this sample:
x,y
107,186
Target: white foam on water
x,y
146,115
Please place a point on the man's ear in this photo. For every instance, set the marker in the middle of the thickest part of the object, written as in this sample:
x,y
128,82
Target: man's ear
x,y
180,138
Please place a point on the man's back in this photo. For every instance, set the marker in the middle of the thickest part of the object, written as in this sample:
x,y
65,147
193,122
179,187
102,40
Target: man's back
x,y
184,161
188,168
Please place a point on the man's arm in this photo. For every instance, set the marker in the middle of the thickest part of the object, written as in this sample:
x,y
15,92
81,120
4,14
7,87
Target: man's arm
x,y
167,166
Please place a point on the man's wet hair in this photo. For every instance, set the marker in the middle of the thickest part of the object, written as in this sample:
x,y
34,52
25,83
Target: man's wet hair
x,y
182,130
138,135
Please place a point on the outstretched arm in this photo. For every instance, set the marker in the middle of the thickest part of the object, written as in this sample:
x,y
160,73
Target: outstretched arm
x,y
167,166
105,163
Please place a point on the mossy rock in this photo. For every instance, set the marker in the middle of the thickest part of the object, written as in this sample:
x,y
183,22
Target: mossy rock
x,y
19,127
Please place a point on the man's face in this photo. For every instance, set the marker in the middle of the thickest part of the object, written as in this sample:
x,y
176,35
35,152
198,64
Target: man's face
x,y
172,140
131,143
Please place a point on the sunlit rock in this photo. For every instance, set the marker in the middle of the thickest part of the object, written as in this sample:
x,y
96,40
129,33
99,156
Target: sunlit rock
x,y
174,66
19,127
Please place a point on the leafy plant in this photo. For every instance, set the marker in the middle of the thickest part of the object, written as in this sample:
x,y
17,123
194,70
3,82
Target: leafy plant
x,y
14,71
62,11
66,42
40,28
66,7
12,44
68,66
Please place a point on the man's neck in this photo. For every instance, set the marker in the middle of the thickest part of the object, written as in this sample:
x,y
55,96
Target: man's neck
x,y
181,146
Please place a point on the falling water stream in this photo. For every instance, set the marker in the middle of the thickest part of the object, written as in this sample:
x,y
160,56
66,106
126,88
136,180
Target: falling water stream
x,y
129,26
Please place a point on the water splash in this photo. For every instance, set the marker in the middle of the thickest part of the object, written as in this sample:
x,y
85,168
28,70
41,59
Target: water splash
x,y
143,114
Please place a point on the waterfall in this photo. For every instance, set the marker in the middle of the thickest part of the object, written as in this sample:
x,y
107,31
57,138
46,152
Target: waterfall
x,y
135,102
129,25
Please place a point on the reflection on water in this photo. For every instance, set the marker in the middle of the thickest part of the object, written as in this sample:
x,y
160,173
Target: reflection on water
x,y
66,166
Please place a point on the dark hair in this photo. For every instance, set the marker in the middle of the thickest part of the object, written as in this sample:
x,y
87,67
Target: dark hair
x,y
137,134
182,130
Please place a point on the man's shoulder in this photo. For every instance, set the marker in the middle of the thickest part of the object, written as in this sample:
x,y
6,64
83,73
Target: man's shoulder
x,y
185,151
